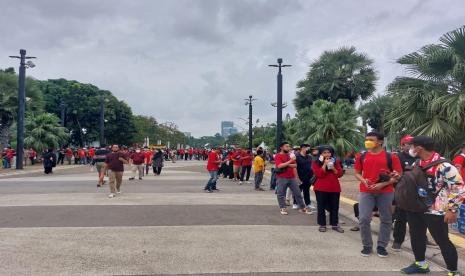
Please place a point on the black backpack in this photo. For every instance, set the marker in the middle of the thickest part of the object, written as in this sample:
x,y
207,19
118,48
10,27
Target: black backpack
x,y
406,191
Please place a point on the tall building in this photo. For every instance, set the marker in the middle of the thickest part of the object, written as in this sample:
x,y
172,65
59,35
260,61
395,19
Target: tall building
x,y
227,128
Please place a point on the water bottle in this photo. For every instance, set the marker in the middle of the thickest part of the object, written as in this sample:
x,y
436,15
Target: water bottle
x,y
422,192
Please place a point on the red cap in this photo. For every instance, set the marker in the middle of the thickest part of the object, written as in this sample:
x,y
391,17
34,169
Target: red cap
x,y
406,139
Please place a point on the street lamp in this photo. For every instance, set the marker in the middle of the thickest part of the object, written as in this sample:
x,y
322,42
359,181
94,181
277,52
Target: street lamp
x,y
279,104
102,119
21,105
249,103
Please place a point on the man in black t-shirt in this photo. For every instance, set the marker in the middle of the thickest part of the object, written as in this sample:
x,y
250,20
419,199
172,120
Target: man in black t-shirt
x,y
99,162
305,173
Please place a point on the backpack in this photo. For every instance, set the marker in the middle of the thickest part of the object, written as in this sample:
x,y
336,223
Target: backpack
x,y
388,159
407,189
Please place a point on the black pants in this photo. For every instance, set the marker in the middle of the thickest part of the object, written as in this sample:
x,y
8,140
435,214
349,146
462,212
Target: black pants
x,y
400,225
328,201
418,223
305,189
48,170
157,170
231,170
61,159
243,172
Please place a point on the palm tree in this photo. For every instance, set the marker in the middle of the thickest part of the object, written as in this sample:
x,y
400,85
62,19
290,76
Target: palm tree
x,y
44,131
432,101
329,123
340,74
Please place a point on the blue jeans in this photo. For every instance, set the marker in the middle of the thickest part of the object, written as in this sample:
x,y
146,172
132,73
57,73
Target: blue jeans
x,y
211,184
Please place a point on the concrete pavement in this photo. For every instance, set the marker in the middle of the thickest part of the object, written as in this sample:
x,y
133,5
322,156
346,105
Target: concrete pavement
x,y
64,225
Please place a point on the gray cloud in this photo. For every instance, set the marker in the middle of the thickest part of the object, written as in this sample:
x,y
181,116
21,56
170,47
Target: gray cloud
x,y
193,62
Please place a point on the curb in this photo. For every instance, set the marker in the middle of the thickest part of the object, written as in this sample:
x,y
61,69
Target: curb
x,y
25,172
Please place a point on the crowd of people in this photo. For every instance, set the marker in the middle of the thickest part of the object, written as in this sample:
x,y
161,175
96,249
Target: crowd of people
x,y
389,183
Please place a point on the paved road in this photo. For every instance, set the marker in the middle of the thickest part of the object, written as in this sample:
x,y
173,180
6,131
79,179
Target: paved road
x,y
64,225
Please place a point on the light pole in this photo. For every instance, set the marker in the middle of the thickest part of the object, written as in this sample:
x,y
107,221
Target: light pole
x,y
21,105
102,120
249,103
279,104
63,107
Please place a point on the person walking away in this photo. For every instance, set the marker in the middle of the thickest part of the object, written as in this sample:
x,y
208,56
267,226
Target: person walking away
x,y
446,193
247,158
157,162
147,159
32,156
114,164
286,178
61,156
213,163
459,161
49,160
377,171
69,155
328,170
99,162
305,173
137,164
258,169
400,216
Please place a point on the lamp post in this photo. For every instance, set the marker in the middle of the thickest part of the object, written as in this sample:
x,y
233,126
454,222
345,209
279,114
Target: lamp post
x,y
279,103
102,120
63,107
249,103
21,105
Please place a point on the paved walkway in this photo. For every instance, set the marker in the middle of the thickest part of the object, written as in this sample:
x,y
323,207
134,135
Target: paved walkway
x,y
64,225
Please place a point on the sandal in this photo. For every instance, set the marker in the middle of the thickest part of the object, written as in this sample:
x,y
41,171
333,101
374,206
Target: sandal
x,y
338,229
355,229
322,229
283,211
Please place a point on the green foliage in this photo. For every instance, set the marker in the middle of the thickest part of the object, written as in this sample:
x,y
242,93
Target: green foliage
x,y
149,127
432,102
82,111
212,141
238,139
328,123
375,111
44,131
339,74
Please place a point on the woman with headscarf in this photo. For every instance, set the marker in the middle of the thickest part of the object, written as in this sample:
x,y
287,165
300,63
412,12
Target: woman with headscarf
x,y
49,161
157,162
327,170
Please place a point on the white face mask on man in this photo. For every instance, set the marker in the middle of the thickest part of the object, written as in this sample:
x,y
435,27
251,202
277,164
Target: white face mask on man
x,y
412,152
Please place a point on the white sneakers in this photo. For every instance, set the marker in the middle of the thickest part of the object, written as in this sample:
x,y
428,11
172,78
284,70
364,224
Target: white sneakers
x,y
111,195
295,206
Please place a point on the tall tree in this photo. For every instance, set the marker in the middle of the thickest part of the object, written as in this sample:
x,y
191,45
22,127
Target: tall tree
x,y
432,101
329,123
338,74
374,112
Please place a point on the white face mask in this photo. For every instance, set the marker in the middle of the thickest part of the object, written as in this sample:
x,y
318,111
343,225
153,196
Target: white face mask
x,y
412,152
137,151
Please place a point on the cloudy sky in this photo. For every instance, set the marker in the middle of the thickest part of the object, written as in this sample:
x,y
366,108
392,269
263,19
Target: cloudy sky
x,y
194,61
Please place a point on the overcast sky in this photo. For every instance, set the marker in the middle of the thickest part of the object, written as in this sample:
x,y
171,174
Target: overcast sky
x,y
193,62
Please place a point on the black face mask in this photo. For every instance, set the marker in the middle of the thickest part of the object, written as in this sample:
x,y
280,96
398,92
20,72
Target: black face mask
x,y
308,151
285,151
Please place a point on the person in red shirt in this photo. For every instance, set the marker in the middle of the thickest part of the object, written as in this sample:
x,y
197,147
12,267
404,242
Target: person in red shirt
x,y
246,165
377,171
191,153
286,178
459,162
327,170
69,155
237,162
82,156
213,164
136,160
147,159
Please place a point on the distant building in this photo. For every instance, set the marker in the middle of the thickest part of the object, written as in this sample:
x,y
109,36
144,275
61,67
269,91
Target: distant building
x,y
227,128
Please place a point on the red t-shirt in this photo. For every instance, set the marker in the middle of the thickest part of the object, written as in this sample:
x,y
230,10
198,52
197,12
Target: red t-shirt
x,y
327,181
236,158
92,152
138,158
213,156
373,166
283,158
459,162
82,153
248,159
147,157
69,152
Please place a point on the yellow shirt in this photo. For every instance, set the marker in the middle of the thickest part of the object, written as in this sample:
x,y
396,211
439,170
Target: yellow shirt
x,y
258,164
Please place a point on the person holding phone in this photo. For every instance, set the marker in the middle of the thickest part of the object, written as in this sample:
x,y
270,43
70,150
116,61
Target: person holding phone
x,y
327,170
377,171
